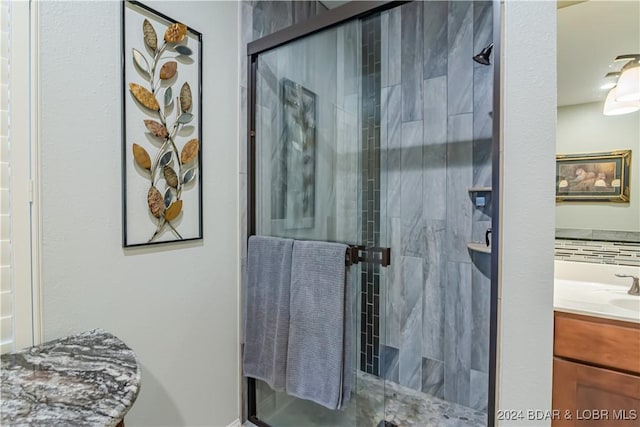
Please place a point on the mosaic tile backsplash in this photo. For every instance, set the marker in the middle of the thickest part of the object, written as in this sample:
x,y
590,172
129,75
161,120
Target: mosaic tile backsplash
x,y
598,252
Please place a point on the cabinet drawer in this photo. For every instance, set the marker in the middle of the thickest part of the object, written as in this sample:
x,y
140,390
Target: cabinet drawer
x,y
598,341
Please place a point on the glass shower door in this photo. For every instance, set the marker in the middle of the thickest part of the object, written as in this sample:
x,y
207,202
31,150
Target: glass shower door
x,y
308,180
379,133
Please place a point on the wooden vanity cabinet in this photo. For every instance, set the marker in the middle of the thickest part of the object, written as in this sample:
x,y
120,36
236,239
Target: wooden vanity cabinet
x,y
596,372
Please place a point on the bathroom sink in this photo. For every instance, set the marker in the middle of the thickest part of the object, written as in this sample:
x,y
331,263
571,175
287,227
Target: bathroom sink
x,y
595,290
596,299
627,304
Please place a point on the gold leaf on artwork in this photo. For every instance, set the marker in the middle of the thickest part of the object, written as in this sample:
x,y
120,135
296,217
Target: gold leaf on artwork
x,y
168,70
185,97
144,97
170,176
173,211
175,33
155,201
150,36
189,151
156,128
141,156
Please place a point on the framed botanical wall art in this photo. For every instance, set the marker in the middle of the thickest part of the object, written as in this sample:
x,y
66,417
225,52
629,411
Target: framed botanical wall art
x,y
162,128
593,177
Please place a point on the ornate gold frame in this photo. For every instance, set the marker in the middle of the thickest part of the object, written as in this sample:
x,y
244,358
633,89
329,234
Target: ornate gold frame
x,y
589,161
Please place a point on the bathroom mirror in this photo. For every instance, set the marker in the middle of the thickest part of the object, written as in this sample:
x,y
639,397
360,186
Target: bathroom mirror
x,y
590,36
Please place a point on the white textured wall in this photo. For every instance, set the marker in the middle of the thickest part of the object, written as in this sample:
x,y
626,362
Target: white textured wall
x,y
176,305
527,214
581,129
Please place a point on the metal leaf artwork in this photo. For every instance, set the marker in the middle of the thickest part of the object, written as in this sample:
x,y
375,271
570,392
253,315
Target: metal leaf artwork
x,y
168,93
165,125
188,176
168,70
170,176
155,202
173,210
183,50
189,151
166,158
156,128
140,61
175,33
141,157
185,118
150,36
168,197
185,97
144,97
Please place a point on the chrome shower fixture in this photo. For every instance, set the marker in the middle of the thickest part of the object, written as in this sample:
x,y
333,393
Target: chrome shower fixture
x,y
483,57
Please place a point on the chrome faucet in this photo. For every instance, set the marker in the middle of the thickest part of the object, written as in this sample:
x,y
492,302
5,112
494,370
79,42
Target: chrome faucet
x,y
635,286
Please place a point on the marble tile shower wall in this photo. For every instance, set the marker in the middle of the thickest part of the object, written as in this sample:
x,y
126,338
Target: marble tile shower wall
x,y
436,129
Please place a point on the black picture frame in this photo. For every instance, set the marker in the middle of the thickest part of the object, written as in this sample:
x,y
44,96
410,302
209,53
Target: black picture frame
x,y
181,228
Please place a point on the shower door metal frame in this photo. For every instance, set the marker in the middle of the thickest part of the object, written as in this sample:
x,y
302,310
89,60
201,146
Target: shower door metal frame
x,y
326,20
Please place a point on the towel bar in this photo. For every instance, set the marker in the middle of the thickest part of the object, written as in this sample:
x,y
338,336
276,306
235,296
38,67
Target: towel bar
x,y
359,253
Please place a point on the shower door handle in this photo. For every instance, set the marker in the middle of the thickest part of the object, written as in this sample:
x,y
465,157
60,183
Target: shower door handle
x,y
360,253
385,260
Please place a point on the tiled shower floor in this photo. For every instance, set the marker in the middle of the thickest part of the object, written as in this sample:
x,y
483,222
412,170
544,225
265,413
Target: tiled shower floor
x,y
404,407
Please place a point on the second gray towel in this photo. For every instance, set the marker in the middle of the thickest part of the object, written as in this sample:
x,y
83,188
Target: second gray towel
x,y
267,310
316,362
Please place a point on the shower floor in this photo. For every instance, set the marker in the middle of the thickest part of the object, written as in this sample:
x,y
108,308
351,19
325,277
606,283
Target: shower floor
x,y
404,407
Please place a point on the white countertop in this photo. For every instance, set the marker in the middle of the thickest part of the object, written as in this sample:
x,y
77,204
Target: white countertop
x,y
593,290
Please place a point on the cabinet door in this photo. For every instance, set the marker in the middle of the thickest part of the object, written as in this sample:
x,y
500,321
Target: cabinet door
x,y
586,396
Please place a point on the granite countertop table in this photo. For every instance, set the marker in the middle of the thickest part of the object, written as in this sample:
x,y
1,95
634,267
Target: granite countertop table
x,y
90,379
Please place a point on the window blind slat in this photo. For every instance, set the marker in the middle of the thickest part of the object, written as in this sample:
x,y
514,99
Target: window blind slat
x,y
5,278
6,329
7,333
6,305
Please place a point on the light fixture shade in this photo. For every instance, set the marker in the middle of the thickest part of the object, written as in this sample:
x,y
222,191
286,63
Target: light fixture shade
x,y
612,107
629,85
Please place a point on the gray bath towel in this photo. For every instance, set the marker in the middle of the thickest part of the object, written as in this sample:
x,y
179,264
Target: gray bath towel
x,y
267,310
317,368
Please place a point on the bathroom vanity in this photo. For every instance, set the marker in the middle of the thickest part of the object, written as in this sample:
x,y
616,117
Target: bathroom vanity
x,y
90,379
596,366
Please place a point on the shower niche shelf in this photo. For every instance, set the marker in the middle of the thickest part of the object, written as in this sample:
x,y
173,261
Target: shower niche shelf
x,y
480,190
479,247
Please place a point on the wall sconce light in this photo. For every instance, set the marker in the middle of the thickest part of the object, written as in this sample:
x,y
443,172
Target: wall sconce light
x,y
624,98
